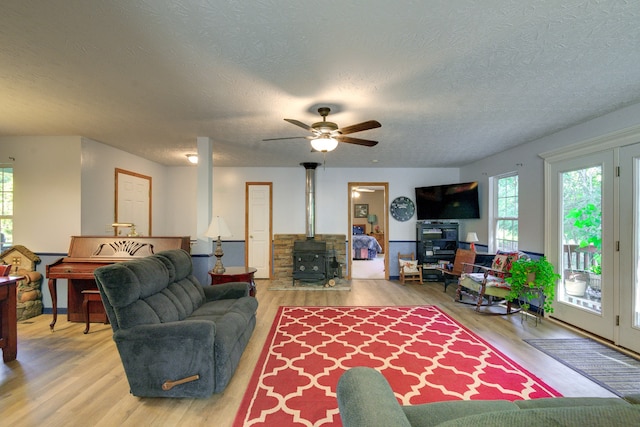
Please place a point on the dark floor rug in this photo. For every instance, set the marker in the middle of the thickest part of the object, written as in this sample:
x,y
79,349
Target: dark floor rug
x,y
603,365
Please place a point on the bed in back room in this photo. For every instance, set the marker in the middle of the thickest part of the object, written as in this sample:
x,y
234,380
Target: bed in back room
x,y
364,246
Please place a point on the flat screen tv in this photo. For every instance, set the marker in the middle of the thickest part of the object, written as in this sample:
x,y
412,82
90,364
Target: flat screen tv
x,y
446,202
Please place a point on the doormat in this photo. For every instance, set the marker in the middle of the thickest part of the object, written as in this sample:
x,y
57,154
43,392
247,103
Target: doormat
x,y
611,369
287,285
424,354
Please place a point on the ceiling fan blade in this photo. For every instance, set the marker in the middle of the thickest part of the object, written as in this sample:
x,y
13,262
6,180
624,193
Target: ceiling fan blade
x,y
299,123
289,137
358,141
371,124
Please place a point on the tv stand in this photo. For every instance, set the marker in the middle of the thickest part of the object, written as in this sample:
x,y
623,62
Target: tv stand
x,y
436,241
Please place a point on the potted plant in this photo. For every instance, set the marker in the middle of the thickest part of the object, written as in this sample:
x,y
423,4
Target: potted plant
x,y
531,277
575,281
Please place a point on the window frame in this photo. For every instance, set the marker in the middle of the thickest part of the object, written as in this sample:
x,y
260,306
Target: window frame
x,y
4,244
494,218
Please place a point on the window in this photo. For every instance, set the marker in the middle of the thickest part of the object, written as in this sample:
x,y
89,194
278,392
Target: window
x,y
505,212
6,207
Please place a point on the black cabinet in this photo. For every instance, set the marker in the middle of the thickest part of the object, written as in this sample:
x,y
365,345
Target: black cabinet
x,y
435,242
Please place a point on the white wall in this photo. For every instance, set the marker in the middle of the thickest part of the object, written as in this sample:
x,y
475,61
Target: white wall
x,y
332,195
526,161
47,190
181,194
64,186
99,162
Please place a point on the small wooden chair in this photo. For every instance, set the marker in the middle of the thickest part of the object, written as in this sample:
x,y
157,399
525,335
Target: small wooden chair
x,y
410,269
461,264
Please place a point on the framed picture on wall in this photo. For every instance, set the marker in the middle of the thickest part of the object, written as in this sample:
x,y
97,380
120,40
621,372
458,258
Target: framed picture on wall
x,y
361,210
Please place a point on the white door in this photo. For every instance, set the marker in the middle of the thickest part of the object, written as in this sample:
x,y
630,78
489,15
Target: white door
x,y
581,221
133,201
629,334
258,238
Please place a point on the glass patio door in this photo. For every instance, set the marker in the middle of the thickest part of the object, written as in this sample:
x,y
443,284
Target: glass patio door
x,y
629,330
581,223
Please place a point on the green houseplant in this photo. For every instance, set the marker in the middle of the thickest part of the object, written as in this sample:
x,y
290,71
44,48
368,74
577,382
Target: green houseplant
x,y
528,278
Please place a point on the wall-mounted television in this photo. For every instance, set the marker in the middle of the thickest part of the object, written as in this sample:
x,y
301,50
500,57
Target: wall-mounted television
x,y
447,202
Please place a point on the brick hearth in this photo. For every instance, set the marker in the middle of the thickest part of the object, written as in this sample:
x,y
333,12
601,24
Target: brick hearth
x,y
283,252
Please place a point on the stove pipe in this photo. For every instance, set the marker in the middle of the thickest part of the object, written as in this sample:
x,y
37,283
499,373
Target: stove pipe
x,y
310,199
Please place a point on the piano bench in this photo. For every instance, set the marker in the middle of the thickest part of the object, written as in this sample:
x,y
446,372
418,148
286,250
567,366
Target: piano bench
x,y
90,295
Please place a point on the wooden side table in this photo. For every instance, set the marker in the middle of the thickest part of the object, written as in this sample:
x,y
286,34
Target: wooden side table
x,y
9,321
235,274
380,238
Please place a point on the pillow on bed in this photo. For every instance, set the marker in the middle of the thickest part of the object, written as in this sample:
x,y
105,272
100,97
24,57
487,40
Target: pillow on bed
x,y
357,230
409,266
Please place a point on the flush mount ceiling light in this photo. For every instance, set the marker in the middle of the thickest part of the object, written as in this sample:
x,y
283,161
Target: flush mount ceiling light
x,y
193,158
324,143
364,190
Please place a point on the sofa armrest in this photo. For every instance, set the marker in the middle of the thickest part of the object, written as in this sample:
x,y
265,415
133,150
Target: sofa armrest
x,y
365,399
181,330
231,290
153,354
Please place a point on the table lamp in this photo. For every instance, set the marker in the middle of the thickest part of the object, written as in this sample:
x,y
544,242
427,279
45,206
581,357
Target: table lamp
x,y
372,219
472,238
218,228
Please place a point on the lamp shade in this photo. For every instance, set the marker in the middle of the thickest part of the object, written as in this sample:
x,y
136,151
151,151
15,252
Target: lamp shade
x,y
372,219
218,228
324,143
472,237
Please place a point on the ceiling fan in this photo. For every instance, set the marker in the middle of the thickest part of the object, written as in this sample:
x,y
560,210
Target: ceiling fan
x,y
326,135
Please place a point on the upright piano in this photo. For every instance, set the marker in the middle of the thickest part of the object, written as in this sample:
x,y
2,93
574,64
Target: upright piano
x,y
86,253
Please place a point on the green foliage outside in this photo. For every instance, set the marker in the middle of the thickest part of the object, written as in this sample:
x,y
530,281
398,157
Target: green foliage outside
x,y
582,199
507,211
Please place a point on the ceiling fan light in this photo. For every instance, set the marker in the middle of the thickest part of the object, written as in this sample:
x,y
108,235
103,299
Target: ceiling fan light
x,y
324,144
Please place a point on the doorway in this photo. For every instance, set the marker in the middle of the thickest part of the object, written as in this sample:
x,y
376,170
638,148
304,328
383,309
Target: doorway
x,y
594,239
132,202
629,333
368,230
258,227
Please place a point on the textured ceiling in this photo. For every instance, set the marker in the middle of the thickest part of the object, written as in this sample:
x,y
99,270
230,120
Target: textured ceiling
x,y
450,81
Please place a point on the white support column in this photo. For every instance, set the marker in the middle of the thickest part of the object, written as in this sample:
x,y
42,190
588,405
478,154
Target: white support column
x,y
204,192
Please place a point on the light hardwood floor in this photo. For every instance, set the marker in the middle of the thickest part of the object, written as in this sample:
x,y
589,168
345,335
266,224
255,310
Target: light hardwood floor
x,y
67,378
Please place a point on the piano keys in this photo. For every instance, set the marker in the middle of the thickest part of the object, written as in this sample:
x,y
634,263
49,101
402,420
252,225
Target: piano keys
x,y
86,253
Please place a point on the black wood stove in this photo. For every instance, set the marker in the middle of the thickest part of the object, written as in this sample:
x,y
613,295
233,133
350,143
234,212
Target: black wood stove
x,y
309,260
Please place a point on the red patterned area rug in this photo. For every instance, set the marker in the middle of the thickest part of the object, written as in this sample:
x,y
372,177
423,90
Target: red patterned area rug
x,y
425,355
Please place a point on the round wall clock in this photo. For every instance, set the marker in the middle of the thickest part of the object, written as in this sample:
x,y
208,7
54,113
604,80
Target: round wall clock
x,y
402,208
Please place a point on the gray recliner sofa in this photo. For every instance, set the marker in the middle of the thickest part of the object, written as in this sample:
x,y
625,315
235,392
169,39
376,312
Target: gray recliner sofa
x,y
175,337
365,399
